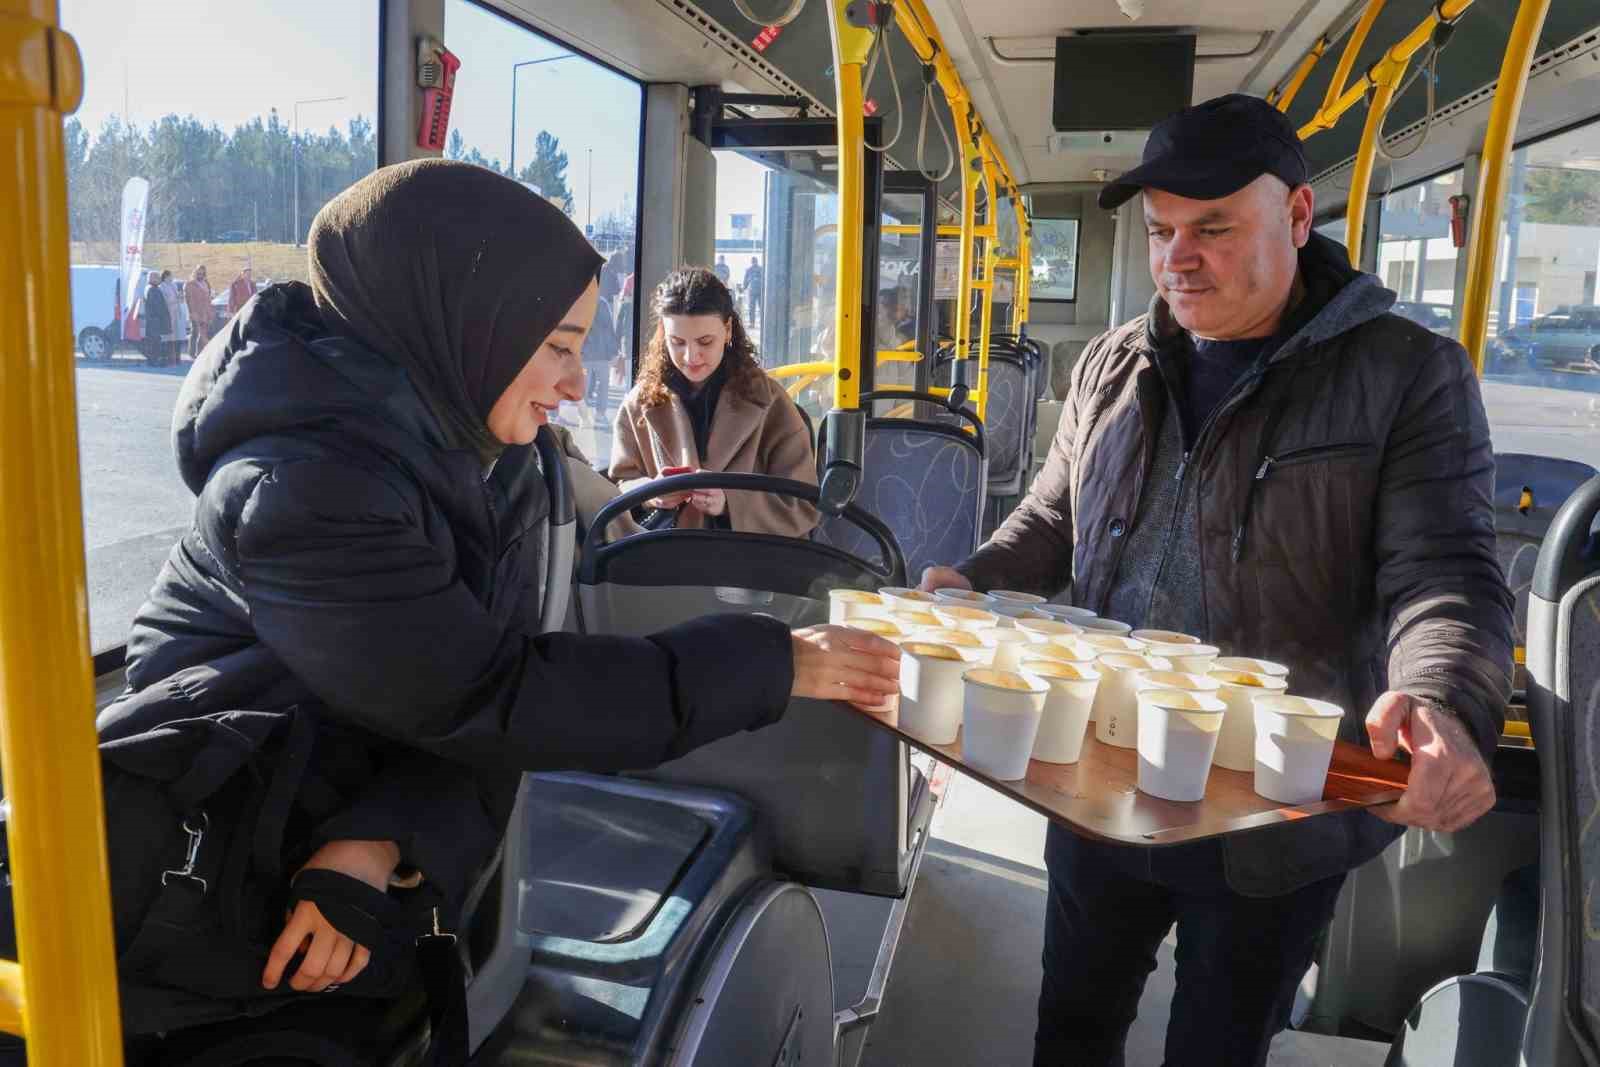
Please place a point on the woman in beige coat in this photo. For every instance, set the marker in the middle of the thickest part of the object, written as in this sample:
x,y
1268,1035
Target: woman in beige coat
x,y
702,402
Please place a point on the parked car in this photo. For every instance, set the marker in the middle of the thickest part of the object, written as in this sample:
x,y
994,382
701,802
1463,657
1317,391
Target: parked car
x,y
1568,334
231,237
1440,318
96,309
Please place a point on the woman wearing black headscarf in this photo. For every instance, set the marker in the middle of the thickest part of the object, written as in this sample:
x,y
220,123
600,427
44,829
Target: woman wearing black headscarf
x,y
358,448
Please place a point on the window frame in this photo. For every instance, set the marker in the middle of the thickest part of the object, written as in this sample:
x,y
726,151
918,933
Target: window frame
x,y
1077,247
638,193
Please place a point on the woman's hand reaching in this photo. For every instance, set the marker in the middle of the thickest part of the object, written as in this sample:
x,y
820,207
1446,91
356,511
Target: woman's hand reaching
x,y
331,958
838,663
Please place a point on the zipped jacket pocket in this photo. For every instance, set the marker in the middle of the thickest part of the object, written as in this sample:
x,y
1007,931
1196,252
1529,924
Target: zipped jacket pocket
x,y
1313,454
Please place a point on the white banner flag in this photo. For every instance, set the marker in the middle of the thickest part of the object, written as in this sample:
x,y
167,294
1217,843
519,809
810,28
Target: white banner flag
x,y
135,199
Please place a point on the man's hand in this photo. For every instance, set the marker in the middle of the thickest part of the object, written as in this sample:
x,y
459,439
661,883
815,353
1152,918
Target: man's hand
x,y
1450,787
943,578
330,958
712,502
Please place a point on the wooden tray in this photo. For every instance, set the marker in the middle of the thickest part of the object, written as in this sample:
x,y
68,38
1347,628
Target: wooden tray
x,y
1098,795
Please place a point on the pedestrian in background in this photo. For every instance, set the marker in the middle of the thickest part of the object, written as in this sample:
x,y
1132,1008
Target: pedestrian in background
x,y
240,292
157,321
197,296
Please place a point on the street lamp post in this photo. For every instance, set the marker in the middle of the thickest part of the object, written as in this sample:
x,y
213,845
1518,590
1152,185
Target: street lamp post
x,y
514,68
294,137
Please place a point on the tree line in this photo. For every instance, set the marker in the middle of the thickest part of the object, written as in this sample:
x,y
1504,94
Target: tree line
x,y
207,184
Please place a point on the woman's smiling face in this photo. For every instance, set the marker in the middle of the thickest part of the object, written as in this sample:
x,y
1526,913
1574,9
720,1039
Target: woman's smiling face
x,y
547,378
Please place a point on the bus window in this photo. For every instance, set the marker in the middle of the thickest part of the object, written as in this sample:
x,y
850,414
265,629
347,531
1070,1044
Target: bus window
x,y
1054,250
1416,257
1544,315
899,278
789,201
1333,231
190,157
568,128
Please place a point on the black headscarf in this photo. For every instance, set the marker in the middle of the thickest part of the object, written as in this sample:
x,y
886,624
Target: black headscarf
x,y
455,273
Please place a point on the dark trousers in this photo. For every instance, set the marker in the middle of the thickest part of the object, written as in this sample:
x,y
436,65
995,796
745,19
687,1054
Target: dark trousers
x,y
1239,959
599,387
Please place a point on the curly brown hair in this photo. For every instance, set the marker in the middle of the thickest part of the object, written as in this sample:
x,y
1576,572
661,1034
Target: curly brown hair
x,y
698,291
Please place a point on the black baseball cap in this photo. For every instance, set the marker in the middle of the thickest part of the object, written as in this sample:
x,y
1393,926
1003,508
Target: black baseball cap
x,y
1213,150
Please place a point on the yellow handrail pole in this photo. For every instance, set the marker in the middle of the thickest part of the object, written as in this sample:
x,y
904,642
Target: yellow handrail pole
x,y
1387,76
986,310
1347,58
60,881
1282,98
1489,201
795,370
1024,297
971,175
1404,49
850,47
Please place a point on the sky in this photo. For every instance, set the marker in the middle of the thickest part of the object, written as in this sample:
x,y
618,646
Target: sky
x,y
231,62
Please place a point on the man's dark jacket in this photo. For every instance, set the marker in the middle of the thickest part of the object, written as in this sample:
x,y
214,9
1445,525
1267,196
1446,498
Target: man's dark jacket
x,y
1342,518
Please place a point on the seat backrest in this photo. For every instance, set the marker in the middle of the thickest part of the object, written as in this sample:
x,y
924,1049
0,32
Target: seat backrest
x,y
832,794
1563,655
1528,491
925,480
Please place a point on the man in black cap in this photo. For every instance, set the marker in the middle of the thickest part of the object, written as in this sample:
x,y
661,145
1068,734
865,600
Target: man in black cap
x,y
1270,460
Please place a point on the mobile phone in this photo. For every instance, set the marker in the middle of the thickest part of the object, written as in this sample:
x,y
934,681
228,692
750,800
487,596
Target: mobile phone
x,y
668,472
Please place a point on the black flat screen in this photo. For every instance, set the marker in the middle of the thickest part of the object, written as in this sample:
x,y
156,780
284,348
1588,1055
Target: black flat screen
x,y
1121,81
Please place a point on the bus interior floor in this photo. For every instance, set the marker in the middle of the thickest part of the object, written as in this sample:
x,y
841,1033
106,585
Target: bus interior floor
x,y
965,981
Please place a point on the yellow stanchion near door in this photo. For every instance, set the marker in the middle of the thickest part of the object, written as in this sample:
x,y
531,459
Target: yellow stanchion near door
x,y
1489,201
63,995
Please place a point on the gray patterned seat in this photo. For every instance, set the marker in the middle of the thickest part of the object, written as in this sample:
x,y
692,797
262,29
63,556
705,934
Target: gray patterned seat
x,y
925,481
1563,652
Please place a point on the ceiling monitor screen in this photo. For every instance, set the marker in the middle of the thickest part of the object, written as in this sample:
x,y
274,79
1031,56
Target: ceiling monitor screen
x,y
1121,81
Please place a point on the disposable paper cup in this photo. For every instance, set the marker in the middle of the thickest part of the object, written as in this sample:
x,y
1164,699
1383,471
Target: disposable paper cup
x,y
1294,745
1006,647
1009,614
1010,596
1065,720
1116,708
962,639
1164,637
910,621
931,690
1041,631
1062,650
1250,666
1066,612
897,597
1236,743
1177,734
1183,680
881,627
964,617
964,596
847,604
1000,719
1192,659
1098,625
1107,643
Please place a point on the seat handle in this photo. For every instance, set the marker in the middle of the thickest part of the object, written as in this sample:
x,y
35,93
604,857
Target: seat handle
x,y
1560,562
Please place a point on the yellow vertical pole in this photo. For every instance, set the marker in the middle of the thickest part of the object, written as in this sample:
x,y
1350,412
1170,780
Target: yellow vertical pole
x,y
1387,75
1024,283
991,250
1489,202
60,882
970,176
850,47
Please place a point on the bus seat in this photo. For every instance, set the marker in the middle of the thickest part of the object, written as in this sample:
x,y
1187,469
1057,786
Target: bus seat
x,y
609,887
1528,490
1005,422
863,804
925,480
1563,657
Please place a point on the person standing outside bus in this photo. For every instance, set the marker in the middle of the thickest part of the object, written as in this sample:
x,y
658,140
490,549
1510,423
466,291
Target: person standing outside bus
x,y
177,317
600,348
723,272
1272,460
156,319
754,278
197,295
240,292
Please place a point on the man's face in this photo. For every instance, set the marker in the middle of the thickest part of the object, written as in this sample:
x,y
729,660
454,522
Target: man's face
x,y
1225,267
